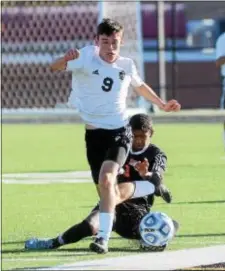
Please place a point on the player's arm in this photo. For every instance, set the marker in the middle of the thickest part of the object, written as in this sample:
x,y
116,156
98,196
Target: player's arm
x,y
220,52
159,163
155,177
61,63
157,169
149,94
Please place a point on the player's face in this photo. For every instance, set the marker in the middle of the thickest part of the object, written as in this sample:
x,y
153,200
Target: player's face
x,y
141,139
109,46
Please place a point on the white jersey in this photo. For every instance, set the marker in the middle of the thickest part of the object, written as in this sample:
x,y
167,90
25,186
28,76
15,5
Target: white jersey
x,y
220,51
100,89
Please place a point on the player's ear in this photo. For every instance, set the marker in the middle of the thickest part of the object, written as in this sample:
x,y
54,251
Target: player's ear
x,y
122,39
96,40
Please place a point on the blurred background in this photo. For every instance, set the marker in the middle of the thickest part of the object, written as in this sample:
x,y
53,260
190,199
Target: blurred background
x,y
36,32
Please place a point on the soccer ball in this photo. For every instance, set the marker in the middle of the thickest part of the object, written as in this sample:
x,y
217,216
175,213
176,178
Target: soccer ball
x,y
156,229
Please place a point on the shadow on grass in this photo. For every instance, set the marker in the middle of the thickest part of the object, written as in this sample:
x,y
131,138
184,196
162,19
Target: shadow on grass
x,y
85,239
112,249
131,247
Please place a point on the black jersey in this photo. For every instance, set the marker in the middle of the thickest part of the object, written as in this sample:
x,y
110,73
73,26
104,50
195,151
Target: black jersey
x,y
157,162
156,158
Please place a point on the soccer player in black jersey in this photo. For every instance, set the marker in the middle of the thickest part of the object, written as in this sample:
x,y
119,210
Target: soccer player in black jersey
x,y
145,164
145,161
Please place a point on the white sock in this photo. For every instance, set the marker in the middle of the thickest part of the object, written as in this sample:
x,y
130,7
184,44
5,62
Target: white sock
x,y
143,188
105,225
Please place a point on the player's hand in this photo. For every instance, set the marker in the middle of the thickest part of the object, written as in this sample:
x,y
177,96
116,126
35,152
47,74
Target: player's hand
x,y
171,106
142,167
71,55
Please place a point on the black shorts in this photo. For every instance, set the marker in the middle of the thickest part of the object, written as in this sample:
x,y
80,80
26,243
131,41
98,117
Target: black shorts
x,y
102,145
127,219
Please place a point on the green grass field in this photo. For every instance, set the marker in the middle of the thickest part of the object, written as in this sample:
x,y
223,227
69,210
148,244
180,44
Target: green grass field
x,y
195,175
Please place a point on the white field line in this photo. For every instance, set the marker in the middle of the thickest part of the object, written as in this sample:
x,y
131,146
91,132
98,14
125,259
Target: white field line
x,y
55,175
47,178
40,181
39,259
168,260
80,264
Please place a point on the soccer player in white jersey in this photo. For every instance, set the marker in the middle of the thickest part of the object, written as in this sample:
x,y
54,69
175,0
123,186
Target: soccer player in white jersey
x,y
100,82
220,63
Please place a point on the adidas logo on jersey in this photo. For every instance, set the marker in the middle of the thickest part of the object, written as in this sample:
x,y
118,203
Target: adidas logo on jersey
x,y
121,75
95,72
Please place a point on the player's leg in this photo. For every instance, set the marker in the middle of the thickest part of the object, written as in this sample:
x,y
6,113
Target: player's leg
x,y
116,156
141,188
132,190
88,227
107,181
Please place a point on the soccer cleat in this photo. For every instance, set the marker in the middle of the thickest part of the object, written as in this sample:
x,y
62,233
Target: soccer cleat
x,y
39,244
100,245
149,248
162,191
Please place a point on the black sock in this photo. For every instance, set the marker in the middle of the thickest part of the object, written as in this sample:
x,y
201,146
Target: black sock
x,y
55,243
74,234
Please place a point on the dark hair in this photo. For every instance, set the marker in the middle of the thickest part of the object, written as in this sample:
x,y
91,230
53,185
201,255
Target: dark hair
x,y
142,122
108,27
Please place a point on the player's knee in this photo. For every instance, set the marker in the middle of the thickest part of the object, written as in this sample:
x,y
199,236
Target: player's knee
x,y
108,173
118,194
124,192
107,181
